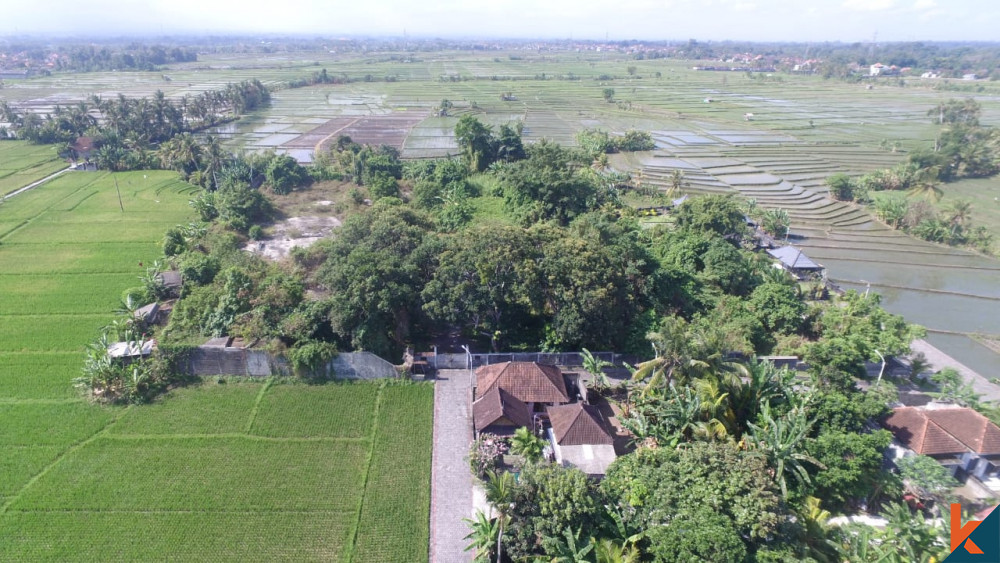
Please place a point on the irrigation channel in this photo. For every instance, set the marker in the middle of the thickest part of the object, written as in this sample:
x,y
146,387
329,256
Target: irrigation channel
x,y
952,292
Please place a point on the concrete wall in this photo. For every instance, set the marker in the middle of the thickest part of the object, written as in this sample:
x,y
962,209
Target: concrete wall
x,y
214,360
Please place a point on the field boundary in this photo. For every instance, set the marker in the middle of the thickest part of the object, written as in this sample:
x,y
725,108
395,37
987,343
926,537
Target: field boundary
x,y
353,544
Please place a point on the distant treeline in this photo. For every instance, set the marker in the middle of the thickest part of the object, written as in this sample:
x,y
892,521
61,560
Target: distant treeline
x,y
90,58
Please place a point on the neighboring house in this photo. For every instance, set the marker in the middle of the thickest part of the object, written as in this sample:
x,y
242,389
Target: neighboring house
x,y
84,147
879,69
172,281
500,413
961,439
535,385
580,438
796,262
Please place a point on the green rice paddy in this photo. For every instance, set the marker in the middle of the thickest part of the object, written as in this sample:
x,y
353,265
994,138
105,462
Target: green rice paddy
x,y
231,470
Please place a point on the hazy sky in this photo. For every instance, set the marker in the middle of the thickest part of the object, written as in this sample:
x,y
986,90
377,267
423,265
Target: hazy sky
x,y
801,20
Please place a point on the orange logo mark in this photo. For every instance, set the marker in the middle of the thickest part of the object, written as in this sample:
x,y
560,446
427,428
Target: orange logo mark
x,y
960,533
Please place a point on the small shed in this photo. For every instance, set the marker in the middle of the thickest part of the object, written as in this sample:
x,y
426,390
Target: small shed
x,y
131,350
148,314
795,261
580,438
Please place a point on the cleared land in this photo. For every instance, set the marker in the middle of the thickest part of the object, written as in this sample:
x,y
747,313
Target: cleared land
x,y
282,472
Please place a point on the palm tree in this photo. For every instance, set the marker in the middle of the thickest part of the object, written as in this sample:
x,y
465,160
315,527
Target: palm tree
x,y
595,366
500,493
782,440
958,214
482,534
925,185
524,443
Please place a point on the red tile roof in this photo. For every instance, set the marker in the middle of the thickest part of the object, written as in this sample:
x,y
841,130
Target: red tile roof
x,y
527,381
577,424
497,405
944,431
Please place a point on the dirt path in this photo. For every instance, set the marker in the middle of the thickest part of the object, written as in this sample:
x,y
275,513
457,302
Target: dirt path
x,y
35,184
939,360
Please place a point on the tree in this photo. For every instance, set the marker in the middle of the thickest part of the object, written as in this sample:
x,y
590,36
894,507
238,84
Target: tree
x,y
841,187
568,548
609,95
526,444
853,466
655,485
778,306
548,499
595,366
701,534
500,495
476,141
927,477
782,440
718,213
954,388
776,222
548,185
284,173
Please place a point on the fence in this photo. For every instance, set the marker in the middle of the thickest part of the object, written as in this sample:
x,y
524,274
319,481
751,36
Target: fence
x,y
214,360
472,361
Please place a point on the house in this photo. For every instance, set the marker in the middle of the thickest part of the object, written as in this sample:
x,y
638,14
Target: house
x,y
795,262
961,439
500,413
172,281
580,438
879,69
535,385
83,147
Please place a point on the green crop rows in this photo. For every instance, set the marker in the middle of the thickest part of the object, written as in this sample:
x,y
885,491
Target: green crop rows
x,y
240,470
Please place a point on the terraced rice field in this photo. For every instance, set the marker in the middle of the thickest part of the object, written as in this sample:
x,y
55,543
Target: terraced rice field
x,y
801,129
237,470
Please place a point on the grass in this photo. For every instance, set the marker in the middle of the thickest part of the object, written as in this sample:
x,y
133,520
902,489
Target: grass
x,y
39,375
203,409
34,424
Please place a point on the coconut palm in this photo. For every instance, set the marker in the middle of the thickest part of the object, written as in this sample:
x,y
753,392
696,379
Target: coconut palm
x,y
500,493
782,441
525,444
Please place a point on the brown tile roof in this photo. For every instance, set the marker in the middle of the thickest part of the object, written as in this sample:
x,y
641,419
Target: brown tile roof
x,y
497,405
528,381
577,424
969,427
944,431
84,144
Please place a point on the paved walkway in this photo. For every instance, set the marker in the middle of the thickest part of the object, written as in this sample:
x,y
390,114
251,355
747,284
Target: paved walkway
x,y
939,360
451,481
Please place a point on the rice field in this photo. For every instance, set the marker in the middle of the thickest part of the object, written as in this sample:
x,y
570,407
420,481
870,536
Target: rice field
x,y
223,470
22,163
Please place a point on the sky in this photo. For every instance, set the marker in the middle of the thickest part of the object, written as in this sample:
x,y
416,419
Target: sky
x,y
755,20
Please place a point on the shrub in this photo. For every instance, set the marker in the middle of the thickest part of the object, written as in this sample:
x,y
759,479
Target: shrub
x,y
485,454
173,242
309,358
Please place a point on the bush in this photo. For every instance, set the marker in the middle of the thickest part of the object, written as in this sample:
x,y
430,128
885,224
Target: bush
x,y
485,454
309,358
256,232
138,295
199,268
173,242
